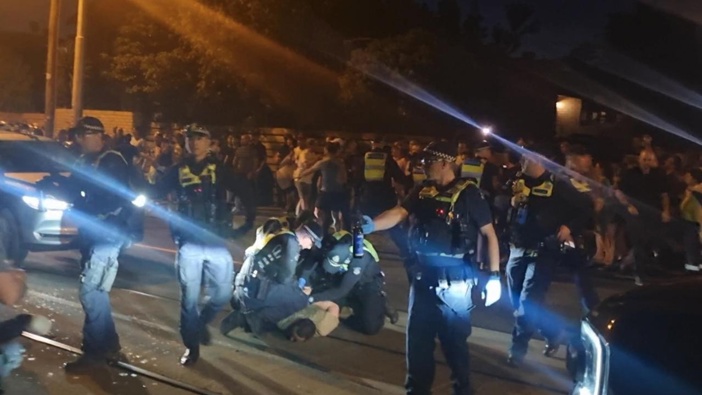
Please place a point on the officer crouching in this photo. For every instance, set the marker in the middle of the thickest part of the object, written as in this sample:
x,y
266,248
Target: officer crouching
x,y
356,282
265,287
201,183
548,215
447,215
100,177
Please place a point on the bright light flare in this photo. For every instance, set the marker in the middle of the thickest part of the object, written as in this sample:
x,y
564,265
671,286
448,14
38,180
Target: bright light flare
x,y
394,80
486,130
140,201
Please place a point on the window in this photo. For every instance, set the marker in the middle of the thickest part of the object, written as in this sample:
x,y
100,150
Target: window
x,y
593,114
34,157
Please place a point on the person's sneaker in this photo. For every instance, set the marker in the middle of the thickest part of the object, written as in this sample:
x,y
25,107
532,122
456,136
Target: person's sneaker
x,y
85,364
692,268
190,357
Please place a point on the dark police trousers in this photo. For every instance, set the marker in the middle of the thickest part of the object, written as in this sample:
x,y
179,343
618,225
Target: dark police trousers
x,y
368,303
529,276
439,308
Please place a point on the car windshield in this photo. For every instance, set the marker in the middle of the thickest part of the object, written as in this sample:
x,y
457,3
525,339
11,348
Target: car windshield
x,y
33,157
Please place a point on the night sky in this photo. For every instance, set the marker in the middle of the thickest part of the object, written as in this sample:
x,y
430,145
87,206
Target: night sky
x,y
564,23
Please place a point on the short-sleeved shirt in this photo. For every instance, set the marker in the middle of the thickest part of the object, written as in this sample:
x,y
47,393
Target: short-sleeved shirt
x,y
471,203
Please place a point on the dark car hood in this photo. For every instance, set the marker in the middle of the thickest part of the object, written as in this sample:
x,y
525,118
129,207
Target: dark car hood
x,y
653,334
682,295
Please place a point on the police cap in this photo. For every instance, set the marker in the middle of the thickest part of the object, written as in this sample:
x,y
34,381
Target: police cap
x,y
441,150
338,252
89,125
195,129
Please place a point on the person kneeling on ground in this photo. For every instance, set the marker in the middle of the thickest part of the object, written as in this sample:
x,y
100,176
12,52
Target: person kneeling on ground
x,y
356,283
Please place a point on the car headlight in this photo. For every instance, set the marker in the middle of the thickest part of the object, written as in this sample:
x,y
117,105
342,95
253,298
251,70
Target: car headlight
x,y
45,203
140,201
595,373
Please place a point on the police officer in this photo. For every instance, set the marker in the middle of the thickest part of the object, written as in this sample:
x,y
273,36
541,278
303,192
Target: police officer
x,y
378,192
447,215
548,216
265,288
201,183
255,307
100,180
358,283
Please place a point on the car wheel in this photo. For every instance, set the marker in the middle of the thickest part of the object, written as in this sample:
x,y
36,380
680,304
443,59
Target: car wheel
x,y
12,241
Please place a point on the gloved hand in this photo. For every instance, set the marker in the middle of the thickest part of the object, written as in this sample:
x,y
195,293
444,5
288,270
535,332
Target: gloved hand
x,y
367,225
493,291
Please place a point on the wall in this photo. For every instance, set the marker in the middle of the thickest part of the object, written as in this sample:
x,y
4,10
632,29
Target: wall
x,y
64,118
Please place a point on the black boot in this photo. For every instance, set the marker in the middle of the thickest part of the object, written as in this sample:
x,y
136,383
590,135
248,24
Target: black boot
x,y
232,321
14,327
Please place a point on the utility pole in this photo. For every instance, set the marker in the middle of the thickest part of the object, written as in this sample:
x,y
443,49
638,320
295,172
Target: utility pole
x,y
78,64
50,89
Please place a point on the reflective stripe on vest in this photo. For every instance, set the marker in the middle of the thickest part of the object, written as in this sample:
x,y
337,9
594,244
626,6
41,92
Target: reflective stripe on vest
x,y
187,178
104,154
449,196
374,166
472,168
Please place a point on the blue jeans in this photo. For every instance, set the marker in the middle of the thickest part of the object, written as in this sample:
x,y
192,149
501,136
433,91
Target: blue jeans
x,y
528,280
196,264
442,312
99,272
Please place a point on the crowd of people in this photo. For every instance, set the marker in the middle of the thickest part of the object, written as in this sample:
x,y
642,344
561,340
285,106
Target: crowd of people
x,y
452,208
647,200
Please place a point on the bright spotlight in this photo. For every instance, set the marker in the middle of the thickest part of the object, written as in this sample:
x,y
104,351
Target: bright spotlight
x,y
560,105
486,130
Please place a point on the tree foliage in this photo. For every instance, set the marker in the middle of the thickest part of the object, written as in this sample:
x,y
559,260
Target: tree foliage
x,y
15,82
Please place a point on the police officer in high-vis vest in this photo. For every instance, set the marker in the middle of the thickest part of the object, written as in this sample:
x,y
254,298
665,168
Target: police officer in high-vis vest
x,y
356,282
379,172
447,215
199,229
100,181
548,215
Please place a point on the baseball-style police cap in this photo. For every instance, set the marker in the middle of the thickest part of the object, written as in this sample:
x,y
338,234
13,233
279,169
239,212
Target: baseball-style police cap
x,y
89,125
338,255
440,150
196,130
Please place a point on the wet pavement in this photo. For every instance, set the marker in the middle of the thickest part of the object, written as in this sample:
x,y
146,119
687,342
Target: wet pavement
x,y
146,310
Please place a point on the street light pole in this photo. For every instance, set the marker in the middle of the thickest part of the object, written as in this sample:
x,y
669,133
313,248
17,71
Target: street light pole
x,y
50,87
78,64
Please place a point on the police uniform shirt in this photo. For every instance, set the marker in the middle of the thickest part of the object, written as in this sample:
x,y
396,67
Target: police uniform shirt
x,y
112,173
224,177
360,270
471,203
566,205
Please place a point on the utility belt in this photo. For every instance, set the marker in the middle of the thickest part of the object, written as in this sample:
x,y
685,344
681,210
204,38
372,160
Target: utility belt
x,y
442,270
551,245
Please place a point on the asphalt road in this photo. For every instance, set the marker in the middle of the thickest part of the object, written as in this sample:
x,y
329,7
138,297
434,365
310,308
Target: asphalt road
x,y
145,304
